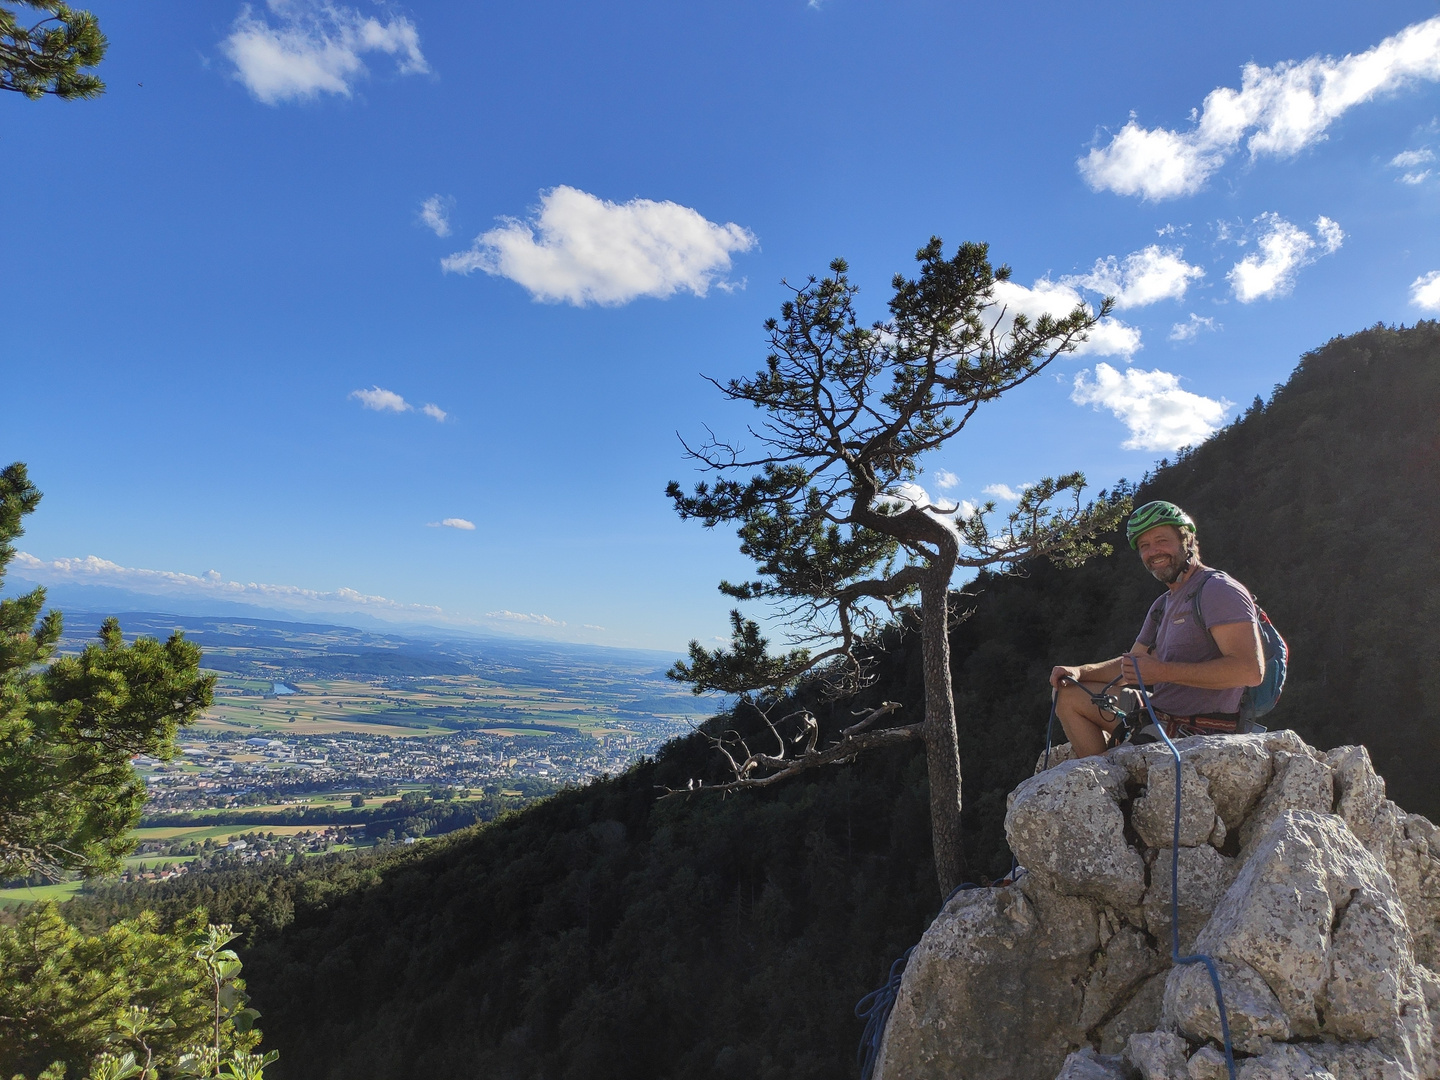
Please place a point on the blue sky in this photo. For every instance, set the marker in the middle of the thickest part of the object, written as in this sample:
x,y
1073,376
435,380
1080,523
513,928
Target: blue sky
x,y
237,281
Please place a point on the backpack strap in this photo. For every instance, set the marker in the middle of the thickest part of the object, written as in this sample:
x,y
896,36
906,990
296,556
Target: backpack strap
x,y
1199,615
1155,616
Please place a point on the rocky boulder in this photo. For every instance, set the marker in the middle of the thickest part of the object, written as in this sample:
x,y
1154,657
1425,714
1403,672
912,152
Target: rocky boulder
x,y
1317,898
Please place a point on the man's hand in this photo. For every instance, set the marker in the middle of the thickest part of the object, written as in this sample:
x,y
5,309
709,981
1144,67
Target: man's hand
x,y
1150,669
1061,673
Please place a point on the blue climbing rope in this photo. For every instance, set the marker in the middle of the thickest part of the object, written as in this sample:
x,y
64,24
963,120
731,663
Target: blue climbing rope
x,y
874,1008
1050,725
1175,957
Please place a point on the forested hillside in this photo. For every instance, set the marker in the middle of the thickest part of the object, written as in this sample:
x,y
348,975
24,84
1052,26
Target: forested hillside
x,y
608,934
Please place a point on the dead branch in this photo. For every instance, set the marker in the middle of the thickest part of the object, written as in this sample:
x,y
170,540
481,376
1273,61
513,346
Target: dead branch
x,y
854,740
885,709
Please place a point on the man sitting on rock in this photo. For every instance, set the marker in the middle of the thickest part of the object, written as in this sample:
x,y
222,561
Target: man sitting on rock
x,y
1195,668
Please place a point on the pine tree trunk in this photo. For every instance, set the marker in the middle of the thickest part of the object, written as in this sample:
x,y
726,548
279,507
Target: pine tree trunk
x,y
942,747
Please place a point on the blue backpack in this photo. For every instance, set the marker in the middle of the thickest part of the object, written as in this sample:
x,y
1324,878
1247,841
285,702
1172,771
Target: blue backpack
x,y
1257,700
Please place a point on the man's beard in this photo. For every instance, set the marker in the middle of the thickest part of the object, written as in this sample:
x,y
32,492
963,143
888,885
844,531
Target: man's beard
x,y
1167,572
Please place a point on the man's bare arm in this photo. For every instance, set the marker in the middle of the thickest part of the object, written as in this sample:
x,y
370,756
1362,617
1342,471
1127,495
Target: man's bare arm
x,y
1241,662
1103,672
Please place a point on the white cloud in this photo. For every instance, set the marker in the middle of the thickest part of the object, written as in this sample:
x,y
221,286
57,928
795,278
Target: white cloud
x,y
452,523
945,479
1330,233
1282,109
435,214
523,617
93,570
315,47
946,511
1146,276
1005,491
381,400
1411,160
590,251
591,626
1111,337
1284,249
1408,159
1425,291
908,491
1190,329
1159,414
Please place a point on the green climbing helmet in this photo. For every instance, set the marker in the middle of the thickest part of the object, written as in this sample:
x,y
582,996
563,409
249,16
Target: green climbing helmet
x,y
1155,513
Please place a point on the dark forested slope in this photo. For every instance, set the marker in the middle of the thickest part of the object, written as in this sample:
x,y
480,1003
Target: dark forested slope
x,y
605,934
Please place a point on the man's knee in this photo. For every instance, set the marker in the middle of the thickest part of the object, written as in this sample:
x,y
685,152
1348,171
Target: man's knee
x,y
1075,698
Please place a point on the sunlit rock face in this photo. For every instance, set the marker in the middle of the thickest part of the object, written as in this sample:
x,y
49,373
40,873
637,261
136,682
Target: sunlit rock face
x,y
1317,898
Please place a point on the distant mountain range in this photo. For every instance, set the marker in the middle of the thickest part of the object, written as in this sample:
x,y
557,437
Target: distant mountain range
x,y
87,605
243,644
66,596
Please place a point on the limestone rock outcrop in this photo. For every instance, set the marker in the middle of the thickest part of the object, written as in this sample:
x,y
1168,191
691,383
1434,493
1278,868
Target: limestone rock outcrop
x,y
1317,898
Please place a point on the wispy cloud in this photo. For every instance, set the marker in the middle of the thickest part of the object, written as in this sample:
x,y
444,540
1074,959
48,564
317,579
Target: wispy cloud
x,y
452,523
1284,250
93,570
1425,291
1410,161
524,617
1005,491
435,214
1282,110
381,400
1190,329
1142,277
303,48
1111,337
580,249
945,479
1151,404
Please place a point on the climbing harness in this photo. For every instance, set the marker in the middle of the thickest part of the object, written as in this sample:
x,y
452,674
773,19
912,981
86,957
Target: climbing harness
x,y
1175,957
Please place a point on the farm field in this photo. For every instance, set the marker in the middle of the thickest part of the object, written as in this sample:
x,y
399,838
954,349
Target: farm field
x,y
57,893
408,709
218,833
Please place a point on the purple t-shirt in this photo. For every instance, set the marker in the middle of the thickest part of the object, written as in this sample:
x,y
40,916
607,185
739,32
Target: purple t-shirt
x,y
1174,635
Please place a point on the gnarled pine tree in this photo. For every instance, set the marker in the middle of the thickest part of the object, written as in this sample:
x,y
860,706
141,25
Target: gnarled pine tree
x,y
843,538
